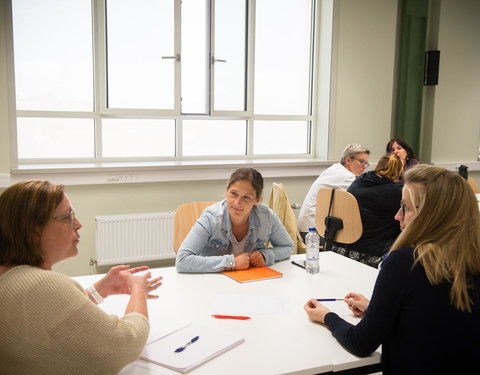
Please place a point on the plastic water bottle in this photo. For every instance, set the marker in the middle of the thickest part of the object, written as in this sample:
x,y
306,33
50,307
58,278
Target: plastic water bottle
x,y
312,240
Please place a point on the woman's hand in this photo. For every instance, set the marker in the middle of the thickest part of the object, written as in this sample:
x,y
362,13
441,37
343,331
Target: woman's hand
x,y
117,279
242,261
138,283
357,303
316,311
256,259
139,288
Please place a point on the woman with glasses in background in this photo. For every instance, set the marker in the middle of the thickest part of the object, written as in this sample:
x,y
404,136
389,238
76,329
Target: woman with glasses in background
x,y
49,324
233,234
353,162
425,306
377,193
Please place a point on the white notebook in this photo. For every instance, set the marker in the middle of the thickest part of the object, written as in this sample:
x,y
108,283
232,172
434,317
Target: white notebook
x,y
210,344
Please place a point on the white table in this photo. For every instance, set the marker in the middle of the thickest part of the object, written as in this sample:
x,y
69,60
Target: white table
x,y
286,342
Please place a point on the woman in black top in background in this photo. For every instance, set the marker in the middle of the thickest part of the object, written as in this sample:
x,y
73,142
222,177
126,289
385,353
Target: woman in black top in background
x,y
377,193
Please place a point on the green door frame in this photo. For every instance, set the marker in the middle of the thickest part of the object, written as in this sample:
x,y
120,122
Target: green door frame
x,y
408,118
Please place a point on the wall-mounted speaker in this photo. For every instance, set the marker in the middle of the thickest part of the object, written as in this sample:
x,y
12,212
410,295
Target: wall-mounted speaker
x,y
432,60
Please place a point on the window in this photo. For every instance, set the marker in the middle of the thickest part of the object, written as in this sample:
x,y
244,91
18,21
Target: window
x,y
282,57
138,137
229,55
117,80
53,55
139,35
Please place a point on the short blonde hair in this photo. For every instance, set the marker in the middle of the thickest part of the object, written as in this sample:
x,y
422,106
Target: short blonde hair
x,y
445,230
352,150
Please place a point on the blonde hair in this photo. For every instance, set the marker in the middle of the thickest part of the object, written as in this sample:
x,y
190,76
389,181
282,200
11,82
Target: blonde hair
x,y
389,166
445,230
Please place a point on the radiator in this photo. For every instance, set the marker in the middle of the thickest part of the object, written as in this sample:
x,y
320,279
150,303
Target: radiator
x,y
121,239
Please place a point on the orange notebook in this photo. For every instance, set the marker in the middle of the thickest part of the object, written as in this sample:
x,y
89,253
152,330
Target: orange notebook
x,y
253,274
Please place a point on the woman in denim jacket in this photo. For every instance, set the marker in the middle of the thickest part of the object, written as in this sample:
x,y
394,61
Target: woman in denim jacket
x,y
234,233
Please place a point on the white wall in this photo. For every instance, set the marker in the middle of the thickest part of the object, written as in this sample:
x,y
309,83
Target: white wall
x,y
364,83
456,131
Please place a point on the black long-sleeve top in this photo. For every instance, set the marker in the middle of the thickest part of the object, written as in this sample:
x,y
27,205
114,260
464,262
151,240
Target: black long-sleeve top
x,y
419,330
378,200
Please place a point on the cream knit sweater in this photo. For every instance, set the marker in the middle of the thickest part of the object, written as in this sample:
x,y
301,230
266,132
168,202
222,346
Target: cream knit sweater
x,y
48,325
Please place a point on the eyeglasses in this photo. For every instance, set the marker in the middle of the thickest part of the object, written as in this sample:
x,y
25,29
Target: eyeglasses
x,y
67,218
362,162
404,207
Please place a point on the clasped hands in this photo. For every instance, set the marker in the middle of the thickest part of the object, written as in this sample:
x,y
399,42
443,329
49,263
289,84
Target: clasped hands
x,y
121,279
247,260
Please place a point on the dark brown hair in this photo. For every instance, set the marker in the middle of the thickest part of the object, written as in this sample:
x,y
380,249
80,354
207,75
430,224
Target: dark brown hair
x,y
247,174
401,142
25,208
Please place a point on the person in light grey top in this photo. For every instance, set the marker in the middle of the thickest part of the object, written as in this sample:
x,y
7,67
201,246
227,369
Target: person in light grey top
x,y
234,233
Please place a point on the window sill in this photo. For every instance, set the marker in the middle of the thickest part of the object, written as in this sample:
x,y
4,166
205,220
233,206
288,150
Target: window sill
x,y
144,172
473,166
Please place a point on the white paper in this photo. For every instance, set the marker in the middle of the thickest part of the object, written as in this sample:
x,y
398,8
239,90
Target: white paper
x,y
157,331
141,367
235,304
210,344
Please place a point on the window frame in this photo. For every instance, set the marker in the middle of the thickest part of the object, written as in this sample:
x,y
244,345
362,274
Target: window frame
x,y
102,111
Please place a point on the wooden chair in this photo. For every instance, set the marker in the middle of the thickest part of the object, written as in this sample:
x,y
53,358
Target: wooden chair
x,y
280,204
473,184
337,217
185,216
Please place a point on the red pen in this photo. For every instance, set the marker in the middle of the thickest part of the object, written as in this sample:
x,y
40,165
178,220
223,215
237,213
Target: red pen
x,y
238,317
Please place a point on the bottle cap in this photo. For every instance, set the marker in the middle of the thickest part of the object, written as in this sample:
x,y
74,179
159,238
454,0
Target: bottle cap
x,y
312,229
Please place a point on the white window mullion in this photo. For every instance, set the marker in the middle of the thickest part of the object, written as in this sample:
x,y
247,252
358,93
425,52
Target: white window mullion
x,y
250,76
211,59
11,106
178,52
99,79
179,137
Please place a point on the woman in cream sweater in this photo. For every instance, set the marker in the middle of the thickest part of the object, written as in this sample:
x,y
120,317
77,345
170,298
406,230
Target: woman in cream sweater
x,y
48,323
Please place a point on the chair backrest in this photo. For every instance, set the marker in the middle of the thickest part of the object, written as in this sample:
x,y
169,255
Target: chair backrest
x,y
344,207
280,204
185,216
473,184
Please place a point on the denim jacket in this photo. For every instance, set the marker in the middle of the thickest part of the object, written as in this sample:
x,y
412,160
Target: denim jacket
x,y
208,245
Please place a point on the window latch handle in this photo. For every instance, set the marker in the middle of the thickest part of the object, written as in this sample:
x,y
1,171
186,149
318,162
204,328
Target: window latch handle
x,y
176,57
214,60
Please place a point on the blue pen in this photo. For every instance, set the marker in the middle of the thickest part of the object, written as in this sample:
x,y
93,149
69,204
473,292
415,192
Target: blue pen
x,y
329,299
182,348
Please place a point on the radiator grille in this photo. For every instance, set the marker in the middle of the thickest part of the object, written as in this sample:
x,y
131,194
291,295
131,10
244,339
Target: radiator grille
x,y
121,239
